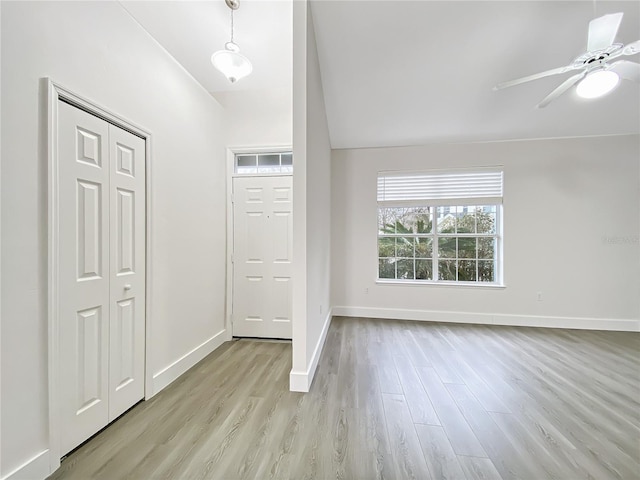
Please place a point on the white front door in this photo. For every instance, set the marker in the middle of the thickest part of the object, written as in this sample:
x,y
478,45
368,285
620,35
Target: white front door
x,y
262,256
101,294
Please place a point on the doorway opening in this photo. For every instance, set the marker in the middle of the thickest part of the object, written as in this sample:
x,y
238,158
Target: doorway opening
x,y
260,243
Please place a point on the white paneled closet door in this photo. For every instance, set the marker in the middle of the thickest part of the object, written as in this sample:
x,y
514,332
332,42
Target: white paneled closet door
x,y
102,272
127,285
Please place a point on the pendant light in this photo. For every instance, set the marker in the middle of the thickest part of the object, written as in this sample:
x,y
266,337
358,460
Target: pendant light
x,y
229,61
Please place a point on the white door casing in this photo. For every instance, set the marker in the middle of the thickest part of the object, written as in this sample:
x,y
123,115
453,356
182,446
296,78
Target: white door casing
x,y
101,272
262,256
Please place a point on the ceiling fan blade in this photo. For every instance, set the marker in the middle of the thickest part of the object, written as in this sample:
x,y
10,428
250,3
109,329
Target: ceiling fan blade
x,y
518,81
564,86
627,70
632,48
602,31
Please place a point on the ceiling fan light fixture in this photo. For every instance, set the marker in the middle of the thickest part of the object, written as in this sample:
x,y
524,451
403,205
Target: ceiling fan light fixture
x,y
597,84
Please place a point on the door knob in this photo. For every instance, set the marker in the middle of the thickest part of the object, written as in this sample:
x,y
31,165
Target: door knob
x,y
127,286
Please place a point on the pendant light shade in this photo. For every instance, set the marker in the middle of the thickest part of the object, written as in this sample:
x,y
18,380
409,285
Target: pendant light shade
x,y
229,61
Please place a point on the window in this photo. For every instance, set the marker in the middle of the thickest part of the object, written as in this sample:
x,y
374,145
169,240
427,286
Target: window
x,y
269,163
440,227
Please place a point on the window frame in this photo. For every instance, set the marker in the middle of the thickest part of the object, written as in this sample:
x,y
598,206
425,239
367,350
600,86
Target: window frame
x,y
283,169
434,206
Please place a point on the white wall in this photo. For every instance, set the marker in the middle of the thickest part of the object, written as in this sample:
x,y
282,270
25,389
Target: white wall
x,y
312,197
0,256
97,50
571,209
318,205
258,118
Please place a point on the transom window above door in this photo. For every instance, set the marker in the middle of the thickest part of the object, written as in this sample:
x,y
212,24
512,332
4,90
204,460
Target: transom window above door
x,y
263,163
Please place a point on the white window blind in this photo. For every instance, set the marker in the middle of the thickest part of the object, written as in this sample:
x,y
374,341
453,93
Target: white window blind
x,y
440,187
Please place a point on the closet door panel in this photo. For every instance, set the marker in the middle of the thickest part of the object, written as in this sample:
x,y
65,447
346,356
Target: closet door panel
x,y
83,282
127,232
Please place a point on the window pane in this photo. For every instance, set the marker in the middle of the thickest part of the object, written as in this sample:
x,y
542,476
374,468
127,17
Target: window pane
x,y
447,247
466,248
446,220
405,269
386,247
384,217
467,271
269,160
466,219
386,268
387,219
269,169
246,160
246,164
414,220
424,269
424,221
407,221
246,170
486,219
447,270
424,247
486,248
485,271
287,159
405,247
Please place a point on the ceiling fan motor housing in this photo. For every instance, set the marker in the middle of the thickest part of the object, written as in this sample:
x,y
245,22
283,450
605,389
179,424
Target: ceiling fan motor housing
x,y
596,58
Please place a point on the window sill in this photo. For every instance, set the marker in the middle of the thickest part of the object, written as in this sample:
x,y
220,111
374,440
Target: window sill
x,y
414,283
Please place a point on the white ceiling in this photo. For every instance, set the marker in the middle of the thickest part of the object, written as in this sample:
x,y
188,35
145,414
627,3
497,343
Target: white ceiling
x,y
192,30
413,72
416,72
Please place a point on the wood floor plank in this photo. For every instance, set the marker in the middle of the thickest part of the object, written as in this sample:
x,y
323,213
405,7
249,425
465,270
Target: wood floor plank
x,y
482,390
510,462
417,399
406,453
478,468
389,381
441,459
434,387
462,438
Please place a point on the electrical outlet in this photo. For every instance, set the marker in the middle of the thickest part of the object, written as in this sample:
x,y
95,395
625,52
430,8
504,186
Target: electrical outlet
x,y
320,309
539,296
366,291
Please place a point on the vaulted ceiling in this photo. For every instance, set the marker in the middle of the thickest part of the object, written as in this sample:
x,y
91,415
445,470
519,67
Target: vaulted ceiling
x,y
192,30
414,72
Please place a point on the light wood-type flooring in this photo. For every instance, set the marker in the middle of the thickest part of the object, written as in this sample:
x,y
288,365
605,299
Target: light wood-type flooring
x,y
391,399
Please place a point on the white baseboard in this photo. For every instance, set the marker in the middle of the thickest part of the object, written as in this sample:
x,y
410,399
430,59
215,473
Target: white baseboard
x,y
168,374
298,381
35,469
624,325
301,381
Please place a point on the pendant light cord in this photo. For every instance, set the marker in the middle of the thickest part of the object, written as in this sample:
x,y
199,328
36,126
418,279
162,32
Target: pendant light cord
x,y
232,25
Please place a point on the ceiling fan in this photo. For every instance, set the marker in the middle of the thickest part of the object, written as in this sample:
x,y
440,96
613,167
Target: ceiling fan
x,y
597,74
